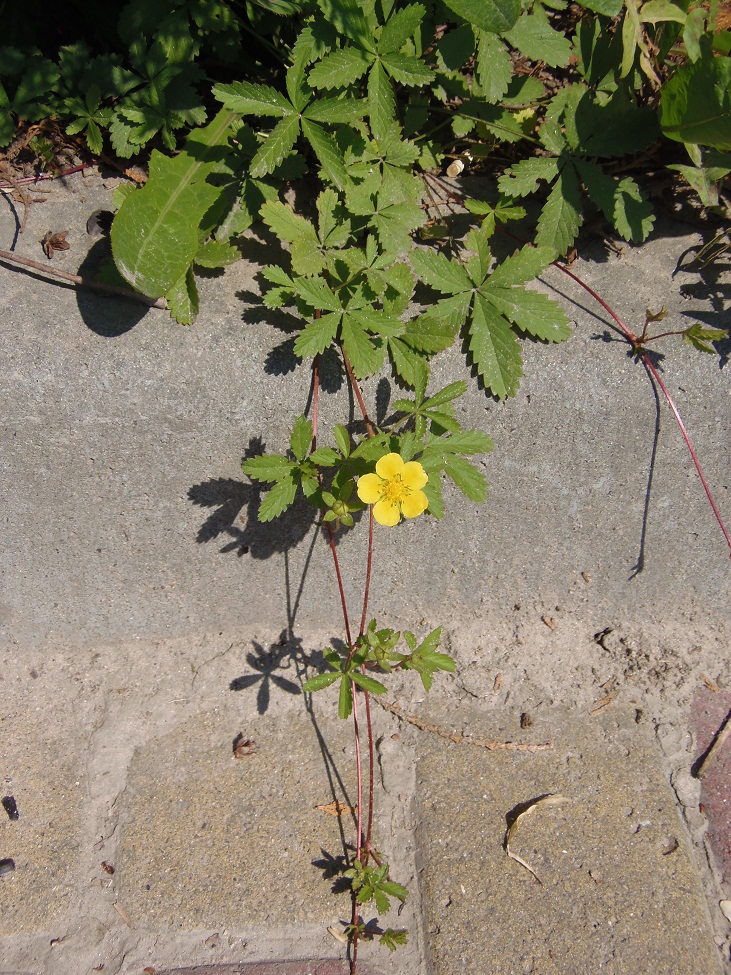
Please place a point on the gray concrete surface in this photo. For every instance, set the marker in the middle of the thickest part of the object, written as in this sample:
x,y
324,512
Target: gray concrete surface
x,y
146,620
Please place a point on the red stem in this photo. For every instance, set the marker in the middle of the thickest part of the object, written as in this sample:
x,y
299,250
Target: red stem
x,y
358,395
646,362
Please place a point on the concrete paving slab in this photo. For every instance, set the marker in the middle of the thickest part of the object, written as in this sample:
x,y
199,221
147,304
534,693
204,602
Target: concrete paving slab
x,y
708,713
617,892
207,840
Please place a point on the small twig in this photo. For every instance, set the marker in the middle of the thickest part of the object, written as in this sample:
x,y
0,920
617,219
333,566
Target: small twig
x,y
24,195
111,289
720,737
462,739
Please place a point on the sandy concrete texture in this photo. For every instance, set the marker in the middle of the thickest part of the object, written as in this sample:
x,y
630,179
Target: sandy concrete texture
x,y
617,889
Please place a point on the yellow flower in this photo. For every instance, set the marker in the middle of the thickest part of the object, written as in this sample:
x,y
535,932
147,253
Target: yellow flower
x,y
394,490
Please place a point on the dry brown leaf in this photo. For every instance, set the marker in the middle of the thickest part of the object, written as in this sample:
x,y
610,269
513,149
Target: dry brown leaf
x,y
123,914
244,747
586,577
497,683
550,622
107,867
603,703
710,684
337,808
339,935
525,720
52,242
549,800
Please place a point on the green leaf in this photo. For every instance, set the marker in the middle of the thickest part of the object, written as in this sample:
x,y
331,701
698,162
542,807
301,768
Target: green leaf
x,y
327,152
464,442
407,70
655,11
345,699
440,273
369,684
433,490
217,253
317,335
301,437
316,293
494,67
695,104
319,682
349,19
494,349
277,145
381,101
700,337
342,439
447,395
522,178
429,334
278,499
247,98
183,300
267,467
364,357
286,224
560,218
525,265
335,110
340,69
155,233
325,457
468,479
494,16
457,47
616,128
532,312
401,26
610,8
536,39
633,214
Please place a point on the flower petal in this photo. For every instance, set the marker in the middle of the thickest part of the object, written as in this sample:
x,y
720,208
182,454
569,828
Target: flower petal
x,y
414,504
390,466
413,475
370,488
387,513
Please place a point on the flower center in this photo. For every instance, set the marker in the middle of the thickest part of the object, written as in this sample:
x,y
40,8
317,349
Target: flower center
x,y
395,491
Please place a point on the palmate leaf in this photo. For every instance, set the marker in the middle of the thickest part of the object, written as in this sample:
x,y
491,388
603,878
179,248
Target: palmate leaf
x,y
268,467
471,482
407,70
523,178
520,267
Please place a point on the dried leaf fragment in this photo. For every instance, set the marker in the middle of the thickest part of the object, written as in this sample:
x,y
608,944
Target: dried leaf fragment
x,y
710,684
603,703
337,808
243,747
123,914
107,867
550,622
520,812
52,242
339,935
497,683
